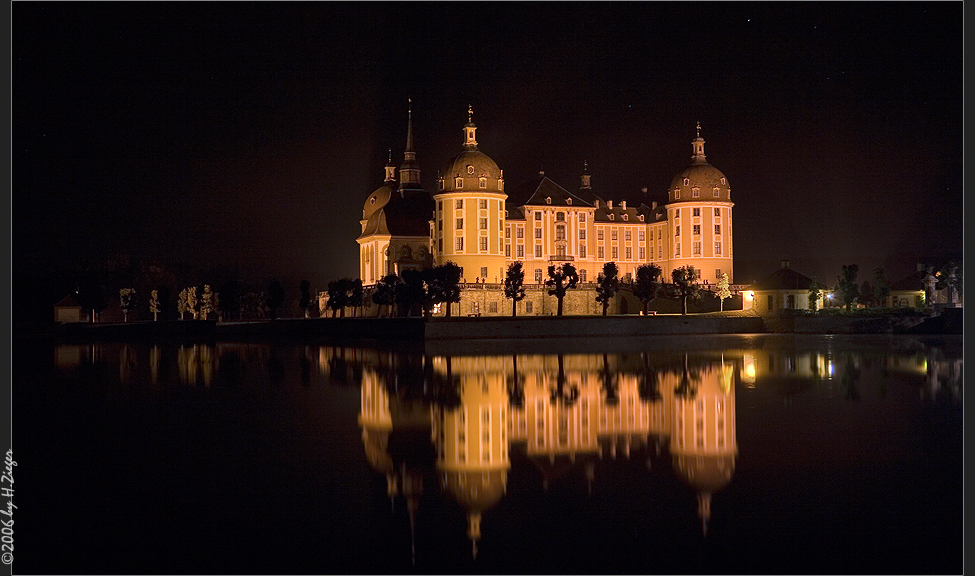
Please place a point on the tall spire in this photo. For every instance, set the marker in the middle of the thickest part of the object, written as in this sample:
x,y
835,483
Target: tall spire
x,y
586,177
409,172
390,168
698,146
470,142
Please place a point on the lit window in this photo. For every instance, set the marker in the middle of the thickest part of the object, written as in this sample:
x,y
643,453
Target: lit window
x,y
548,199
459,182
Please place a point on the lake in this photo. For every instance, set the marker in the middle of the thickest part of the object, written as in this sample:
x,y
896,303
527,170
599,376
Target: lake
x,y
750,454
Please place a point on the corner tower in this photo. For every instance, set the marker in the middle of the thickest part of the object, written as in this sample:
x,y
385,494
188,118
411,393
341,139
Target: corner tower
x,y
699,211
469,212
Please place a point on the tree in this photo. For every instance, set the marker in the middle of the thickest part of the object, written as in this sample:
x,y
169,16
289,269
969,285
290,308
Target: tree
x,y
647,285
881,287
685,286
411,291
304,300
443,285
950,276
154,304
561,279
385,292
187,302
338,296
275,297
514,285
126,301
231,303
866,294
815,291
354,293
207,302
607,284
848,288
724,292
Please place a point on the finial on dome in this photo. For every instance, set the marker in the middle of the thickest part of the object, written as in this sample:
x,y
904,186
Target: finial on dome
x,y
698,128
470,113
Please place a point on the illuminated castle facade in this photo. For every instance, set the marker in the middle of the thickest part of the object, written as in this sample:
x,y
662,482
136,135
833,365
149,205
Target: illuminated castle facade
x,y
473,221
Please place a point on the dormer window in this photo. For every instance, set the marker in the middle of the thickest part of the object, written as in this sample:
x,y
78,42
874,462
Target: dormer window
x,y
568,201
641,217
687,181
548,200
372,200
716,192
625,217
612,216
459,182
676,194
482,183
723,181
440,183
695,193
500,184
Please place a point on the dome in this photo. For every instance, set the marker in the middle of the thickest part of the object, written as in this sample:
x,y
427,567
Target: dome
x,y
471,166
376,201
699,181
475,490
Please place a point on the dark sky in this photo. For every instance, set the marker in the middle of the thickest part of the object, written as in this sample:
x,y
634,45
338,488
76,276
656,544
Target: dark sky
x,y
249,134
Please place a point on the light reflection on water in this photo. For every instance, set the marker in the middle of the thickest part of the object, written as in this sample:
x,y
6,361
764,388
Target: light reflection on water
x,y
459,424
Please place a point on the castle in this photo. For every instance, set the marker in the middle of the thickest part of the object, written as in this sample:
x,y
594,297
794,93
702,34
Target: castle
x,y
473,221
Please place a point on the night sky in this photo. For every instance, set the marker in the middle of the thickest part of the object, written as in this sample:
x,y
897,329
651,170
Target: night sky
x,y
247,136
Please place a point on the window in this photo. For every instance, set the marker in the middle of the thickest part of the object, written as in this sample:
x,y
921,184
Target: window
x,y
521,251
500,184
560,216
520,232
538,215
482,241
528,305
687,181
697,248
460,242
643,253
612,216
717,248
440,225
538,232
482,183
599,252
507,250
582,234
560,232
582,275
695,193
612,234
440,245
484,270
676,230
660,252
677,249
696,212
538,251
493,307
643,235
459,182
717,212
548,199
582,218
676,214
629,253
538,275
697,230
626,217
717,228
768,302
627,235
717,272
507,231
483,224
599,234
715,192
582,250
676,194
460,223
723,181
660,232
460,203
615,252
440,205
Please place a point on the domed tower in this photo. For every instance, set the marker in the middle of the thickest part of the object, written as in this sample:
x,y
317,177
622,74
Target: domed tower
x,y
699,212
469,213
703,442
471,438
396,221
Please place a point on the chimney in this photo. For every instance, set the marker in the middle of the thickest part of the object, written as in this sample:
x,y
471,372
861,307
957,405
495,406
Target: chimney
x,y
609,204
644,189
623,204
785,263
541,172
653,205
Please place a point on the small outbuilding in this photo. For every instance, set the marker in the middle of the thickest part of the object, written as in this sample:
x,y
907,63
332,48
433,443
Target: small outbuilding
x,y
783,289
67,310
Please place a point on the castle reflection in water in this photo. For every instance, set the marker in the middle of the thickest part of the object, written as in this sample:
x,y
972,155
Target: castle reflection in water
x,y
451,422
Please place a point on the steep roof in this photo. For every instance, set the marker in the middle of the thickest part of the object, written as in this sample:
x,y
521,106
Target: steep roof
x,y
67,302
544,192
913,282
783,279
